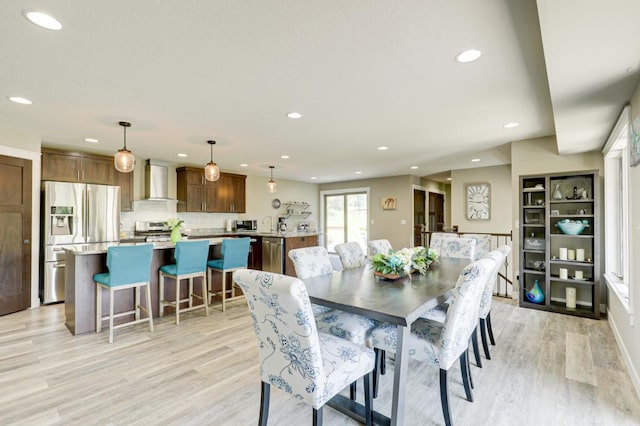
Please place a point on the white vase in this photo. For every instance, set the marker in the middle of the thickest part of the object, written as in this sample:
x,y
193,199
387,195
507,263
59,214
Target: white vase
x,y
557,194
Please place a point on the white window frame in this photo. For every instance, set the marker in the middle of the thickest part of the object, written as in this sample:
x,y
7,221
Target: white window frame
x,y
617,193
322,230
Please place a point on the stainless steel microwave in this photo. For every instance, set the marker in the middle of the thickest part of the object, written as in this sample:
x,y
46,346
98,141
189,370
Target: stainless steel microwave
x,y
246,225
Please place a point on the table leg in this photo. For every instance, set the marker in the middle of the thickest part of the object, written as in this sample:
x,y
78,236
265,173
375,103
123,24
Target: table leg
x,y
399,377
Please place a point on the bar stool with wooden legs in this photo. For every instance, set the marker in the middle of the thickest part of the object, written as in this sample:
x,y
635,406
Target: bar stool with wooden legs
x,y
235,255
129,267
191,262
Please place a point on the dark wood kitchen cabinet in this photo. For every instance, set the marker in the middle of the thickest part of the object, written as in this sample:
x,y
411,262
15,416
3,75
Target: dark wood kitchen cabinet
x,y
196,194
67,166
294,243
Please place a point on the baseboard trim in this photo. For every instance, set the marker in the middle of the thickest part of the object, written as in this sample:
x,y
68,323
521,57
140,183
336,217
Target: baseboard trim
x,y
635,378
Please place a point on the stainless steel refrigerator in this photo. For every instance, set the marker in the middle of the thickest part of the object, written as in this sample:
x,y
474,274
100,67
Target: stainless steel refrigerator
x,y
73,213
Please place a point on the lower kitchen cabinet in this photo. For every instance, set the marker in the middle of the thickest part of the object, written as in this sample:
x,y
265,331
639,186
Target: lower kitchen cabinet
x,y
294,243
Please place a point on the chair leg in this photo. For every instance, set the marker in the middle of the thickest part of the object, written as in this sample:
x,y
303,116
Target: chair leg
x,y
368,400
205,295
469,369
444,397
98,308
149,309
483,336
376,371
383,362
224,291
136,303
191,292
474,342
161,295
111,303
264,404
493,342
465,376
352,390
177,301
317,417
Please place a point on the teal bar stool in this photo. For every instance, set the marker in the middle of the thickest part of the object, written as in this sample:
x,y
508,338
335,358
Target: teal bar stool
x,y
191,262
235,255
129,267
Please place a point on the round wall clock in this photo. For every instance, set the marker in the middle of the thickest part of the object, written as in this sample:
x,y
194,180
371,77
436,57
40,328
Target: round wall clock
x,y
478,197
276,203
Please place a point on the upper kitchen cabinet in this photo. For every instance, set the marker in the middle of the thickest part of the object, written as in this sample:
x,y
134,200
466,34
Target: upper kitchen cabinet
x,y
65,166
196,194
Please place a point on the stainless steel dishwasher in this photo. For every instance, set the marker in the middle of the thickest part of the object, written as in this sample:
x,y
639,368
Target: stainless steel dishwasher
x,y
272,254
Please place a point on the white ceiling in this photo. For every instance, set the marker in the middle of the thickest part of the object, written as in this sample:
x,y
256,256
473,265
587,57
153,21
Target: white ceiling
x,y
363,73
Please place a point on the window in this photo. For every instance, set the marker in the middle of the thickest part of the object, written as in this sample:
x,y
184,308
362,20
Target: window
x,y
616,207
345,217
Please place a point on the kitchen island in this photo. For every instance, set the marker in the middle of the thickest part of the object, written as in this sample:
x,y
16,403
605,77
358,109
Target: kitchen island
x,y
85,260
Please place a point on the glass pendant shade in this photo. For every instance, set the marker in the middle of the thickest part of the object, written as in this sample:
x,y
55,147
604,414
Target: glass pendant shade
x,y
272,186
124,160
211,170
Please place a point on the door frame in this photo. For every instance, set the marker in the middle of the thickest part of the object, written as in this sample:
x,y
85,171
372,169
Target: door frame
x,y
35,158
321,228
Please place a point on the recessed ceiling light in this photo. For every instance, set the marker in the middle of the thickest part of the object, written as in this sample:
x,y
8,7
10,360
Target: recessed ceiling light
x,y
182,155
383,148
244,165
284,157
358,172
475,160
414,167
468,56
20,100
294,115
313,178
91,140
42,20
448,178
511,125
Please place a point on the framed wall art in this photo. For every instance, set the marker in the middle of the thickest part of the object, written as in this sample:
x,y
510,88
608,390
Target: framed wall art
x,y
478,201
388,203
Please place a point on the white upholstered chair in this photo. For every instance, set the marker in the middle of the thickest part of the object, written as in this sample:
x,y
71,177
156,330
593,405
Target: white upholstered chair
x,y
459,248
351,255
380,246
483,243
311,262
487,298
435,242
294,357
444,344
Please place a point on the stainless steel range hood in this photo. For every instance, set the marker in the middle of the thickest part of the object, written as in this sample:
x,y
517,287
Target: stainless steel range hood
x,y
156,180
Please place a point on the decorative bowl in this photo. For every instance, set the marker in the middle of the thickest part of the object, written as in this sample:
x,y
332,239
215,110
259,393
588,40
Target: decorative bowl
x,y
571,227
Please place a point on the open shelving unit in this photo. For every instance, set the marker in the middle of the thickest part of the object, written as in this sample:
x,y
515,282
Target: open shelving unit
x,y
545,201
296,209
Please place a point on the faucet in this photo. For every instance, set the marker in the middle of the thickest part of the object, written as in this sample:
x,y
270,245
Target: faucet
x,y
270,223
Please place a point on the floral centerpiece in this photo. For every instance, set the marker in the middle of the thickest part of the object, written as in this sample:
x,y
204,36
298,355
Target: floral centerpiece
x,y
403,262
174,225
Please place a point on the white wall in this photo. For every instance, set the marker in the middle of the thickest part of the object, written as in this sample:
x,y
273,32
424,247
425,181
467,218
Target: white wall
x,y
22,144
625,326
499,177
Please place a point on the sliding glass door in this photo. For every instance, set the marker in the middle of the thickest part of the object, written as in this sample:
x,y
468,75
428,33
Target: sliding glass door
x,y
346,216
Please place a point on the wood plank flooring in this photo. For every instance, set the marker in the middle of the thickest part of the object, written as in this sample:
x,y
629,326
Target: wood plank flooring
x,y
546,369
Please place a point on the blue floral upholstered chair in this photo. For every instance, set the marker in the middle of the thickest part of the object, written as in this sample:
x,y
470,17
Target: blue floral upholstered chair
x,y
444,344
351,255
311,262
483,244
435,242
487,298
294,356
380,246
459,248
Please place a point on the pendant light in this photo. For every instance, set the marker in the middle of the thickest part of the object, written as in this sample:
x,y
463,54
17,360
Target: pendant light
x,y
211,170
124,161
272,185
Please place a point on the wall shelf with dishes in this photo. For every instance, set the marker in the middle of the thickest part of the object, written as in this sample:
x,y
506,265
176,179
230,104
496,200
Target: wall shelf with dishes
x,y
296,208
559,242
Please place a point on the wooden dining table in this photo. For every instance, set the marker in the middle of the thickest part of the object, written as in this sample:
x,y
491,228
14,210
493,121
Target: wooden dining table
x,y
398,302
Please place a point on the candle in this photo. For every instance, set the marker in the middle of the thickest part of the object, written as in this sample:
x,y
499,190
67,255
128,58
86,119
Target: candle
x,y
564,273
580,255
578,275
562,253
571,254
571,297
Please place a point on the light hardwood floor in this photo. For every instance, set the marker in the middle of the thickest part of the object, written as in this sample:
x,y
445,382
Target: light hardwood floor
x,y
547,369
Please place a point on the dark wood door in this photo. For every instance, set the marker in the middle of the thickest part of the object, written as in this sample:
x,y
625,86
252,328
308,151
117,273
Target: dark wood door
x,y
436,212
15,234
419,207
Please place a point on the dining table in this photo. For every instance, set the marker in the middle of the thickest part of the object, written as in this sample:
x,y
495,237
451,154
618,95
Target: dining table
x,y
399,302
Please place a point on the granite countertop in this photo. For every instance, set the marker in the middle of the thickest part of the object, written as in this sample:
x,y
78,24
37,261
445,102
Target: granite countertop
x,y
100,248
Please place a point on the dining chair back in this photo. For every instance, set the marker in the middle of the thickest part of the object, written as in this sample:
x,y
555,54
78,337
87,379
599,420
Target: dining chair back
x,y
129,267
310,261
351,255
435,242
459,248
380,246
235,255
294,357
483,244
